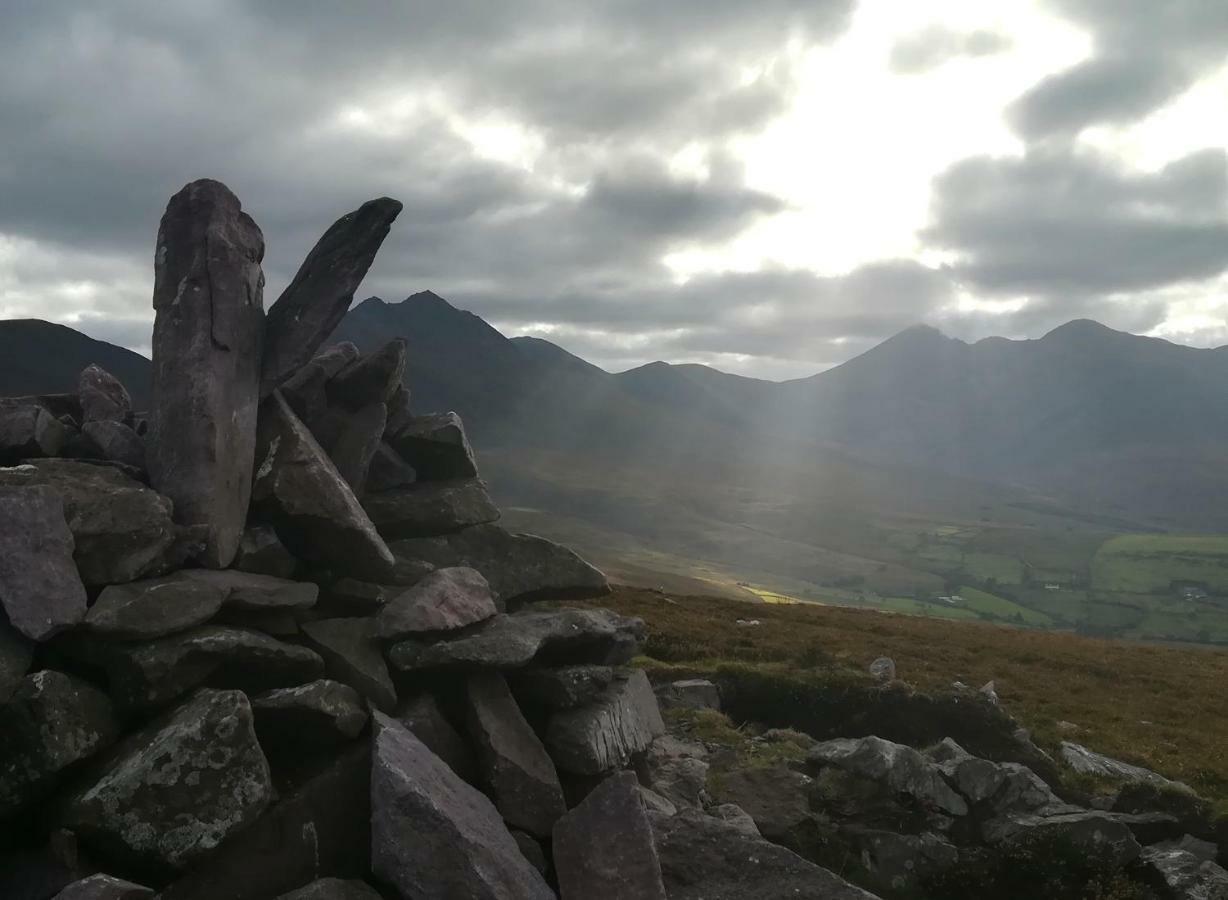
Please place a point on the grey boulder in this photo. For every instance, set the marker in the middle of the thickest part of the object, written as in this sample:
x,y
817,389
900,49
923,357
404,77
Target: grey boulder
x,y
1187,873
689,693
421,715
1088,762
436,446
40,589
432,835
1089,830
444,600
103,396
430,508
604,735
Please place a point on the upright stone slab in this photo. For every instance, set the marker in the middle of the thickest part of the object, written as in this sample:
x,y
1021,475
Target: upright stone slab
x,y
208,333
314,303
40,589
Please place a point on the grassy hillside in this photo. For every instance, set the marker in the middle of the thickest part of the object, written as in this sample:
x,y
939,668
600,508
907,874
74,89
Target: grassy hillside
x,y
1130,700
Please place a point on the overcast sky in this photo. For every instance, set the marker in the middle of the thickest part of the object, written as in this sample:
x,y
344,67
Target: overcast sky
x,y
767,187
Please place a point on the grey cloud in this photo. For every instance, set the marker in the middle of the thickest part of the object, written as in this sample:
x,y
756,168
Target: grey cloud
x,y
931,47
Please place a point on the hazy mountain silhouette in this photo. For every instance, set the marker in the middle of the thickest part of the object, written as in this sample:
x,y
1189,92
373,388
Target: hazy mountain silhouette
x,y
39,357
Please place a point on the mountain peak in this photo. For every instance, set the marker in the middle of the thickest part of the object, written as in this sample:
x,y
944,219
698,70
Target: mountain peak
x,y
1079,328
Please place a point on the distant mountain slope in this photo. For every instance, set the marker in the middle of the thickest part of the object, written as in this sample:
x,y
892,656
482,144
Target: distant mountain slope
x,y
39,357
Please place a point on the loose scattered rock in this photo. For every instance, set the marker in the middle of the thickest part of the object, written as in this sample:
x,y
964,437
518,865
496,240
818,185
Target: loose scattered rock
x,y
432,835
603,849
901,768
603,736
444,600
154,608
353,657
39,587
430,508
883,668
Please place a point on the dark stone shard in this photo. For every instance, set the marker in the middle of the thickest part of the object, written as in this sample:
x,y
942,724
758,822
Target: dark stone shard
x,y
207,339
333,889
372,379
121,529
436,446
29,432
141,610
40,589
705,858
261,552
16,654
51,721
512,641
387,470
444,600
104,887
317,299
169,794
515,765
352,656
299,491
320,828
604,735
433,835
257,593
603,849
103,397
115,441
519,567
399,412
351,439
319,714
422,715
430,508
565,687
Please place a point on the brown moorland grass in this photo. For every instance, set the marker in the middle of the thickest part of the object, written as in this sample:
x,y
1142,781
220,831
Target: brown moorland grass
x,y
1162,707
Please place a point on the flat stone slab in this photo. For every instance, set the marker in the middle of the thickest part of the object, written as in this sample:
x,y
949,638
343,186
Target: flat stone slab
x,y
169,794
430,508
444,600
352,656
604,850
1089,829
432,835
40,589
602,736
257,593
153,608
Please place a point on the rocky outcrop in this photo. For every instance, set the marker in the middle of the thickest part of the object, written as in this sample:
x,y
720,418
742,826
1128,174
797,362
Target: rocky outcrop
x,y
1188,870
40,589
208,334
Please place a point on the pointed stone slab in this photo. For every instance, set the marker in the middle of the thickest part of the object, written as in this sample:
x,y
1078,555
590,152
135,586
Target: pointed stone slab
x,y
317,299
40,589
208,333
515,765
603,849
432,835
302,494
444,600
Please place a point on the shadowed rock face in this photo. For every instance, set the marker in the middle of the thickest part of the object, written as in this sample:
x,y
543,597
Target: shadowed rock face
x,y
208,333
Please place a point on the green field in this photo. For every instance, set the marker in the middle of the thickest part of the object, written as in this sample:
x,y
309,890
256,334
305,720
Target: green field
x,y
1150,563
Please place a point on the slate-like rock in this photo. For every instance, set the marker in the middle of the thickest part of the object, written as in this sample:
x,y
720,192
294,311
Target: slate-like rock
x,y
519,567
115,441
511,641
151,673
901,768
51,721
261,552
317,299
352,656
321,827
515,765
704,858
436,446
372,379
104,887
40,589
333,889
432,835
603,735
421,715
689,693
604,850
1090,830
169,794
430,508
121,529
322,713
16,654
28,432
299,491
387,470
207,339
351,439
256,593
444,600
103,397
564,687
1088,762
153,608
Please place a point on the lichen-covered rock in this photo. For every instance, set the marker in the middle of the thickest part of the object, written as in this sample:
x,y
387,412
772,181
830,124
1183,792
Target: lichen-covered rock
x,y
561,687
28,432
104,887
898,862
40,589
153,608
603,849
430,508
207,338
121,529
603,735
51,722
435,445
901,768
169,794
515,765
352,656
322,713
996,789
512,641
432,835
678,771
444,600
299,491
